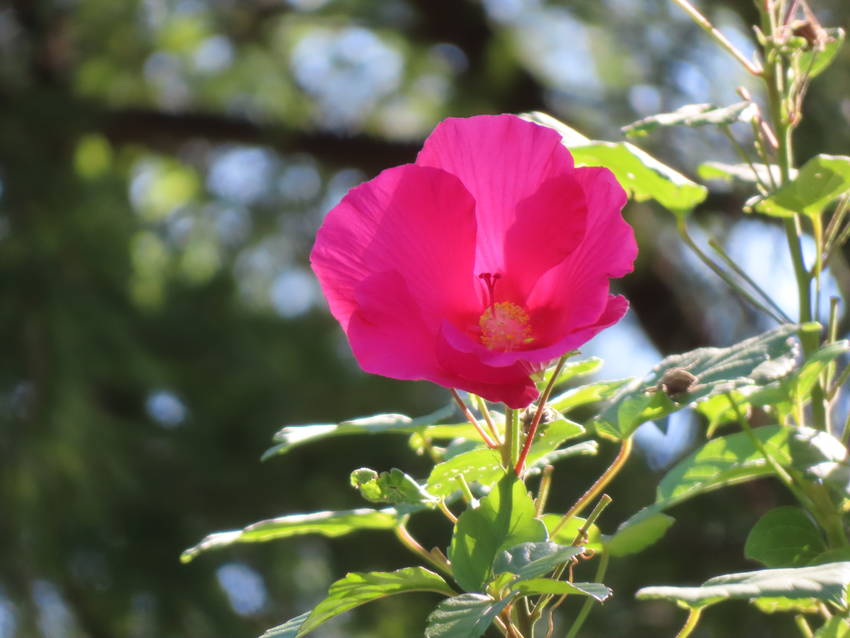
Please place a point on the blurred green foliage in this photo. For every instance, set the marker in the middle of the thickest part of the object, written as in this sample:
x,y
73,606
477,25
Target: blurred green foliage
x,y
163,167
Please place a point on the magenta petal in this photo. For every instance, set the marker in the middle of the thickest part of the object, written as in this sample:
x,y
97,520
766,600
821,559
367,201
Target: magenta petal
x,y
550,225
387,334
575,293
615,309
413,220
459,357
501,160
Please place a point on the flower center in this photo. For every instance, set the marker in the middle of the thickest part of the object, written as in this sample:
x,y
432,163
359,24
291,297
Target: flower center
x,y
504,325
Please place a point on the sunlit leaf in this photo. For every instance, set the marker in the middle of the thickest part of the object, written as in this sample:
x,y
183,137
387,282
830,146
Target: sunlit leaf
x,y
464,616
585,394
693,115
784,537
815,61
292,436
750,363
820,181
722,461
530,560
597,591
826,583
482,466
570,370
289,629
749,173
568,533
358,588
835,627
636,170
329,524
503,519
787,605
638,532
393,487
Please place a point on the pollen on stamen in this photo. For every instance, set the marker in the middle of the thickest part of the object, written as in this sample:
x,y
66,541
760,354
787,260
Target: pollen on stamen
x,y
505,327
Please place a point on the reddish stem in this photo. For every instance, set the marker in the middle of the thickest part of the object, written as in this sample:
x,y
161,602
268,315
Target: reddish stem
x,y
471,418
541,406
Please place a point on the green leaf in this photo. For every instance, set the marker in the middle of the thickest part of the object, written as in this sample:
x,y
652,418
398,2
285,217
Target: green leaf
x,y
638,532
718,410
358,588
787,605
534,586
582,395
394,487
292,436
751,363
643,175
530,560
537,461
636,171
503,518
820,181
815,61
784,537
569,531
723,461
764,173
464,616
289,629
570,370
835,627
552,434
827,583
838,555
693,115
330,524
482,466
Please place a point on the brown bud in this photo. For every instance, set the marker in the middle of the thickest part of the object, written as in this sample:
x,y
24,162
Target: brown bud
x,y
677,381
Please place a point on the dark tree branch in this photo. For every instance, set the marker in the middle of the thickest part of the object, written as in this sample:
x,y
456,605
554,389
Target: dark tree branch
x,y
168,132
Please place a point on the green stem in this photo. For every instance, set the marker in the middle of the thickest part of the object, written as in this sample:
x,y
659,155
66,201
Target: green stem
x,y
543,490
587,606
690,623
511,443
744,156
600,484
686,237
481,404
743,274
803,626
777,98
413,545
780,472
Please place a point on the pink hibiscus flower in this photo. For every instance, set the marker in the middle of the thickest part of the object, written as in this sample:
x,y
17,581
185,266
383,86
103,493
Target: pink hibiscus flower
x,y
480,263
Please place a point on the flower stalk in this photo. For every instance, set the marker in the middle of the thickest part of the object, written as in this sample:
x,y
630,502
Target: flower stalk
x,y
600,484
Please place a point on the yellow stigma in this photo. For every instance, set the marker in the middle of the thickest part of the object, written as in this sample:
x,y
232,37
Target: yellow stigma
x,y
504,327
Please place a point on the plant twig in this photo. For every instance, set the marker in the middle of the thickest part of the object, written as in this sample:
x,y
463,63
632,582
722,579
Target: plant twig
x,y
481,404
541,408
413,545
721,39
743,274
600,484
587,606
691,623
471,418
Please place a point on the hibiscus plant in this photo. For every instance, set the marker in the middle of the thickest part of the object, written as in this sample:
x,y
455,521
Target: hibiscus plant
x,y
484,265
